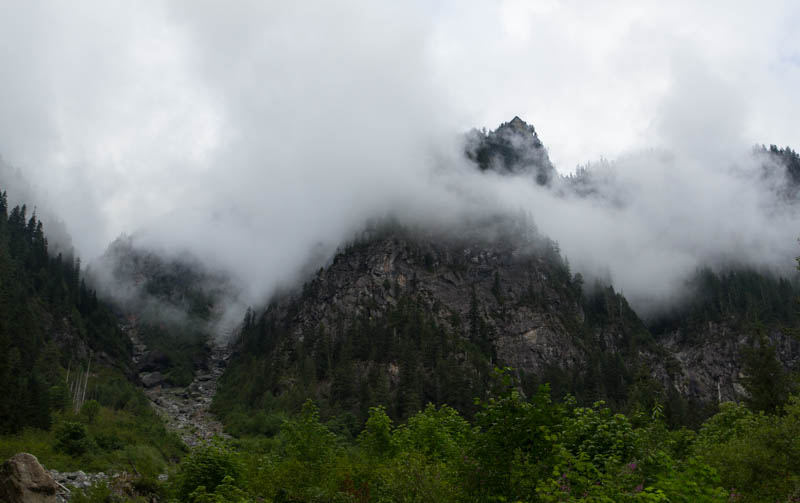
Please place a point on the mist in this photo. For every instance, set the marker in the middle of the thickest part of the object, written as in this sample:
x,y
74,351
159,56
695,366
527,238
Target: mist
x,y
259,136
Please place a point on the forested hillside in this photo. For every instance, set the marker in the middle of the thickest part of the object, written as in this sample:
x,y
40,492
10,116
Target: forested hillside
x,y
405,317
175,302
49,320
65,364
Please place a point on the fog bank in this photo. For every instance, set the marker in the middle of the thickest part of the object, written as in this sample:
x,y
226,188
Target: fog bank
x,y
260,135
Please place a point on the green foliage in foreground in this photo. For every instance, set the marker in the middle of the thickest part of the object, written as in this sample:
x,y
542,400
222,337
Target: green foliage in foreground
x,y
515,449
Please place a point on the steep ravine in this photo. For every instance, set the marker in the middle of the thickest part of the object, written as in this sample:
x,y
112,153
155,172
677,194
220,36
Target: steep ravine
x,y
185,410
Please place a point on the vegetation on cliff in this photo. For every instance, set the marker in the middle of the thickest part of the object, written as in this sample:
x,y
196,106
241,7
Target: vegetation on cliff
x,y
65,364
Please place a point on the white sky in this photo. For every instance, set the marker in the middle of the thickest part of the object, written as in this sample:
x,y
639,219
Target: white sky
x,y
209,123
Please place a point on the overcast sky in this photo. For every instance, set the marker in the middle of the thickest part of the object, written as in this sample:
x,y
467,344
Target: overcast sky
x,y
249,131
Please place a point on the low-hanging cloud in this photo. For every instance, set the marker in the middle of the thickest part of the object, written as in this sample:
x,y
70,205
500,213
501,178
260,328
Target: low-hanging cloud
x,y
259,135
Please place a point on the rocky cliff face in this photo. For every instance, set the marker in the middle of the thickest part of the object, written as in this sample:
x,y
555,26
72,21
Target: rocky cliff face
x,y
711,366
401,317
521,298
493,296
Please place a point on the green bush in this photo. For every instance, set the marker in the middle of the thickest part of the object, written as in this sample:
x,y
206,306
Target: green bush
x,y
109,442
438,433
376,438
307,439
414,478
600,435
205,466
225,492
71,438
90,410
756,454
144,459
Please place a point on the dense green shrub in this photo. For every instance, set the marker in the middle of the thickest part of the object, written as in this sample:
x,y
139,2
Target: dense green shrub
x,y
756,454
72,439
90,410
205,466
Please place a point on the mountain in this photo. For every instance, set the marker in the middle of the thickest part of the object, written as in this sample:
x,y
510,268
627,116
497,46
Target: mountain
x,y
143,280
406,316
49,321
782,164
402,317
66,365
175,305
484,319
512,148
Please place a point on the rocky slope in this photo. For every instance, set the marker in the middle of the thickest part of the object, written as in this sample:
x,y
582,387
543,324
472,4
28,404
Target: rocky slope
x,y
184,409
400,302
522,299
711,366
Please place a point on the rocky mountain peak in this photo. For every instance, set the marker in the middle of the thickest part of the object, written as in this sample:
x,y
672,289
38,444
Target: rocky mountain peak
x,y
513,148
520,125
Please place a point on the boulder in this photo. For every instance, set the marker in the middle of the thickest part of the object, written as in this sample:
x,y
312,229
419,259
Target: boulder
x,y
24,480
155,360
153,378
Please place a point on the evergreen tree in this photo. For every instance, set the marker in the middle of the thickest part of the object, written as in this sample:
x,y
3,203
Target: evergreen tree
x,y
767,383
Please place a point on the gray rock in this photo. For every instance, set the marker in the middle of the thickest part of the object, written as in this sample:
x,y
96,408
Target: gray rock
x,y
24,480
152,379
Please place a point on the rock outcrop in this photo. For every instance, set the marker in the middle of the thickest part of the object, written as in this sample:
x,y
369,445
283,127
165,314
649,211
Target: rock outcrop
x,y
521,297
710,369
150,379
513,148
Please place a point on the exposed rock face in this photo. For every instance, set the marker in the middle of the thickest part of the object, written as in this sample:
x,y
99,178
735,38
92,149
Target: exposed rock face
x,y
710,369
536,317
490,295
24,480
152,379
516,293
513,148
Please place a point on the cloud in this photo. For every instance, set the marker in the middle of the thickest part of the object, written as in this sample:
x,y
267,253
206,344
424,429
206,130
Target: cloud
x,y
260,134
659,216
592,76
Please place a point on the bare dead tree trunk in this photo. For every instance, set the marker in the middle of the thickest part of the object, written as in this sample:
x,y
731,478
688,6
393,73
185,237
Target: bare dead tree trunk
x,y
86,381
73,390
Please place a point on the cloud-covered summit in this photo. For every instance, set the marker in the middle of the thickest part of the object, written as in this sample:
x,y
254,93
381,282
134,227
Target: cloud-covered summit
x,y
259,135
512,148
